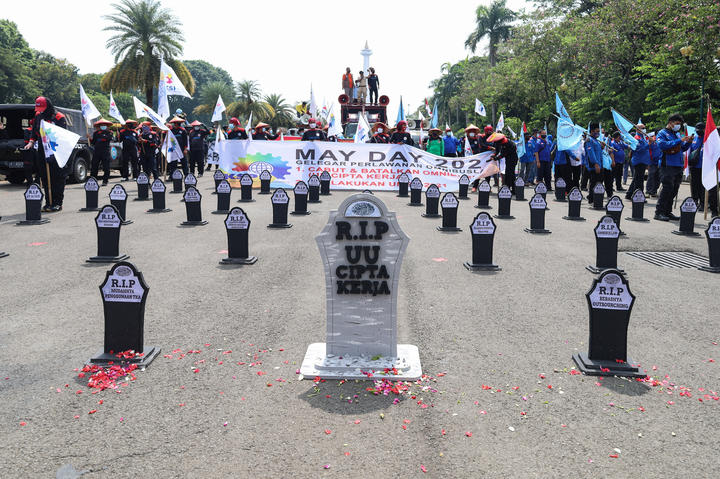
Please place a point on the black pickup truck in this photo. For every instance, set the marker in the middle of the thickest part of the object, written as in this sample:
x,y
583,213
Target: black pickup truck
x,y
16,166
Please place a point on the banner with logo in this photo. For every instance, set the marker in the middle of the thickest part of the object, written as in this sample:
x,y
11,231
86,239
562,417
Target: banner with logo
x,y
353,166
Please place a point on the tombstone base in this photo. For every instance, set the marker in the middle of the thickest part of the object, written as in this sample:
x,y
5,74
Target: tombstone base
x,y
316,363
279,225
300,213
261,193
126,222
504,217
3,254
686,233
596,270
709,269
415,204
194,223
644,220
314,202
573,218
105,359
32,222
220,212
484,207
89,209
463,197
448,229
248,260
159,210
558,200
593,367
538,231
481,267
246,201
431,215
107,259
403,196
139,199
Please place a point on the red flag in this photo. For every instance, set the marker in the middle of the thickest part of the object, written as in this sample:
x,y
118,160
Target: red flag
x,y
711,153
524,128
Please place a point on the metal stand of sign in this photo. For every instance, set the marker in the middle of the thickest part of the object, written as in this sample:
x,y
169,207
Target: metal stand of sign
x,y
313,184
91,188
482,231
449,205
610,305
280,200
483,195
712,233
325,179
688,209
223,192
118,198
237,225
574,204
124,294
108,223
265,178
638,207
193,209
607,233
177,181
504,203
301,199
537,215
246,184
143,185
463,185
33,203
158,197
560,187
519,189
432,198
218,176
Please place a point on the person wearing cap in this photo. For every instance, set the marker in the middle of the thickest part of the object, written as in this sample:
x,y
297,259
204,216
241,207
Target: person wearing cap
x,y
435,144
197,135
483,139
672,145
313,133
149,144
52,175
182,138
262,134
236,131
450,144
380,134
100,141
129,137
507,150
401,136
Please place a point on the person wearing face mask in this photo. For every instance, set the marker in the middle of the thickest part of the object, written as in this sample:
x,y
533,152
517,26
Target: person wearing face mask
x,y
401,136
181,136
313,133
380,135
235,131
593,155
261,133
507,150
435,144
672,145
472,134
542,159
450,144
197,135
618,155
100,141
348,84
373,84
128,136
149,144
640,161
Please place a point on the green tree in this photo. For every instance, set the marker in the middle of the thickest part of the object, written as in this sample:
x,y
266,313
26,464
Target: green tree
x,y
203,73
16,61
249,101
283,112
57,79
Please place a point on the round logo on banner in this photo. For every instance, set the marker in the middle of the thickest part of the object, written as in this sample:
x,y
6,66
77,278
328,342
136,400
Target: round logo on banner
x,y
143,179
313,181
483,225
301,188
118,193
504,193
257,168
615,204
91,184
538,202
449,201
246,180
688,206
237,220
158,186
224,187
280,197
433,191
416,184
607,228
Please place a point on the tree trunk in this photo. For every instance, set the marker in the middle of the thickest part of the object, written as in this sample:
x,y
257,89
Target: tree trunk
x,y
149,97
491,57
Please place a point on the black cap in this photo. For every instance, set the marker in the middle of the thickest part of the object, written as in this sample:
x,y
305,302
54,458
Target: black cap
x,y
700,126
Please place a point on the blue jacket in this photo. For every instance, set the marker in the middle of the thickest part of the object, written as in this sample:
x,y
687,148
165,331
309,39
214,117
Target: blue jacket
x,y
542,148
619,154
561,157
641,155
593,153
655,153
529,152
667,139
451,144
697,144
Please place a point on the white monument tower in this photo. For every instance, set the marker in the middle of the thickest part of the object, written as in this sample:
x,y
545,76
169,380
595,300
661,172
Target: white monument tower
x,y
366,52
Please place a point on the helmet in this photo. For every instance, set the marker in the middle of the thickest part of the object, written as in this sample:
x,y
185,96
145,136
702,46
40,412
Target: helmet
x,y
488,129
234,121
40,104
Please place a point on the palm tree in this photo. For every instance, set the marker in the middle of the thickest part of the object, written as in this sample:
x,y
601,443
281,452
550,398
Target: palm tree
x,y
144,32
248,101
209,94
283,111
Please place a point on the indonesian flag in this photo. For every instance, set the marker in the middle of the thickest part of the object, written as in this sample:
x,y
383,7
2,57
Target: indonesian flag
x,y
219,109
57,141
114,110
88,108
427,108
173,85
501,123
524,128
711,153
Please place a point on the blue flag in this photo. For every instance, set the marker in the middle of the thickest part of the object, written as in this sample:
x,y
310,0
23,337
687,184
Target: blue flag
x,y
569,135
560,108
624,126
401,112
434,120
521,150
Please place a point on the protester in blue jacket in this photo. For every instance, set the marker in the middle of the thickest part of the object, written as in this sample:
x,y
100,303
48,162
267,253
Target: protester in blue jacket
x,y
640,161
619,147
562,166
542,159
697,191
593,154
672,145
451,144
653,182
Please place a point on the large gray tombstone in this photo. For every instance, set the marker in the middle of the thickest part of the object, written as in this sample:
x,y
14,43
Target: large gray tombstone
x,y
362,248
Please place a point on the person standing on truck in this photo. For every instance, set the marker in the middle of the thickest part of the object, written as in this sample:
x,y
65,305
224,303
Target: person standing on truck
x,y
348,84
149,144
197,136
361,87
129,137
53,177
100,142
373,84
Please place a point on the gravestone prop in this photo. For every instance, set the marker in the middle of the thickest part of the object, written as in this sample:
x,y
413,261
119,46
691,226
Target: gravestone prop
x,y
223,192
362,248
638,206
325,179
118,198
713,239
449,205
265,178
482,230
193,208
237,225
504,202
575,198
158,197
313,189
190,180
463,184
519,189
415,192
124,293
246,184
537,215
610,303
403,181
143,186
368,192
280,200
483,195
108,222
218,176
560,187
614,208
688,208
301,196
432,198
541,189
607,233
91,188
177,180
598,195
33,202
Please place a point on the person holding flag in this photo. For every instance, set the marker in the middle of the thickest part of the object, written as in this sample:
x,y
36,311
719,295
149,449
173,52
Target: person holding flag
x,y
710,156
181,136
129,137
100,140
672,146
542,150
149,144
261,132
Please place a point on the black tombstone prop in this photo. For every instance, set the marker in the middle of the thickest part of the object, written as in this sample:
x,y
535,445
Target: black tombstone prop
x,y
124,293
325,179
193,208
449,205
610,304
118,198
432,198
463,184
265,178
177,181
614,208
519,189
237,225
541,189
560,188
688,208
712,233
143,186
91,194
368,192
415,192
313,189
482,231
575,199
223,192
218,176
598,194
246,184
538,205
403,181
108,222
280,200
483,195
158,197
33,203
190,180
504,202
607,233
638,207
301,196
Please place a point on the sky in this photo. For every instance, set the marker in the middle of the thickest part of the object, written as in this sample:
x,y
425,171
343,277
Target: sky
x,y
283,45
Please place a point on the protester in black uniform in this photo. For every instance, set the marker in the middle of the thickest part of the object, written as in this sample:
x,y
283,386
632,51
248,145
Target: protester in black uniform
x,y
197,136
401,136
100,142
182,138
313,133
129,137
44,110
507,149
380,135
472,134
235,131
261,134
373,84
149,144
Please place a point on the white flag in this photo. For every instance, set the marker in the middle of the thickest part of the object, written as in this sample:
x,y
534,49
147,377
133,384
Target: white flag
x,y
501,123
171,148
468,148
173,86
362,134
163,109
248,128
480,108
219,136
219,109
334,127
511,132
141,109
313,105
114,111
57,141
88,108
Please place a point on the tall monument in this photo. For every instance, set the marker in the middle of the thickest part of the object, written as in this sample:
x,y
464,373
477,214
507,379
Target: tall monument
x,y
366,52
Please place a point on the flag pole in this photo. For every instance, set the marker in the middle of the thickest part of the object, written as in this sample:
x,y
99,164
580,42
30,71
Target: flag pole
x,y
49,185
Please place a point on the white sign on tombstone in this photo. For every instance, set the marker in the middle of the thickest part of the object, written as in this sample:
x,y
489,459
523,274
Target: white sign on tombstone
x,y
538,202
483,225
91,184
122,286
177,174
615,204
688,206
464,180
519,181
265,175
575,195
192,195
560,183
541,188
403,178
714,229
237,220
143,179
416,184
301,188
638,196
279,197
224,187
610,293
449,201
504,193
607,228
246,180
433,192
599,189
190,179
118,193
484,186
158,186
313,181
108,218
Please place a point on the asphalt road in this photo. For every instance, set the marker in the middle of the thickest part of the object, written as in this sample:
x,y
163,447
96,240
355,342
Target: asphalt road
x,y
223,399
